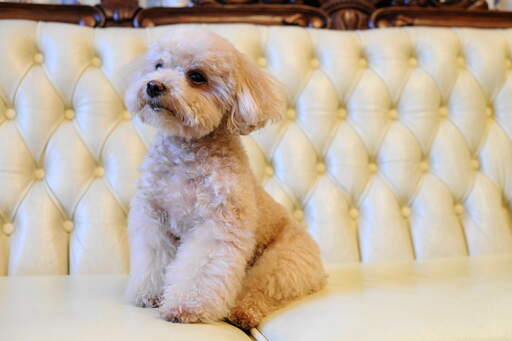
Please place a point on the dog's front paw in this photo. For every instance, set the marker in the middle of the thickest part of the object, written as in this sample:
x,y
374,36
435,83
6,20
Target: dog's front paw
x,y
150,302
180,314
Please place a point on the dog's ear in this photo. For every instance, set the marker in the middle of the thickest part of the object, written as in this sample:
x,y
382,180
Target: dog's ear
x,y
259,98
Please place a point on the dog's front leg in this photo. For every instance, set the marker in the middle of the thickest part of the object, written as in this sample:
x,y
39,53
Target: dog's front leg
x,y
151,250
206,275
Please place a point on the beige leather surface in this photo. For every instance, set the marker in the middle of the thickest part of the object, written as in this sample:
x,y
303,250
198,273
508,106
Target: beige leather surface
x,y
448,300
396,144
89,308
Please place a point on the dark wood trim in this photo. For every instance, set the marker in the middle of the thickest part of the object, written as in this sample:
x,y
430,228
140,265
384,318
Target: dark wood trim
x,y
398,17
334,14
72,14
119,12
298,15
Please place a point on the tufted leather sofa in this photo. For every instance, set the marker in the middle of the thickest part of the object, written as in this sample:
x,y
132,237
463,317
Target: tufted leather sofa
x,y
395,151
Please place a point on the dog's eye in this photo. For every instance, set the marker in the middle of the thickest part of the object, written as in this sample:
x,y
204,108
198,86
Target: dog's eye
x,y
196,77
159,65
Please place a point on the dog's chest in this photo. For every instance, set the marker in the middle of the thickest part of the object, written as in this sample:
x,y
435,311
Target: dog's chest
x,y
186,191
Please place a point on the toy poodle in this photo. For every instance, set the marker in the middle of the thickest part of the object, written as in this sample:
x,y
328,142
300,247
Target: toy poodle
x,y
207,242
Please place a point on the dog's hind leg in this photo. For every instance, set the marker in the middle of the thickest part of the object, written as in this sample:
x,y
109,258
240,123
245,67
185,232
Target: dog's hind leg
x,y
289,268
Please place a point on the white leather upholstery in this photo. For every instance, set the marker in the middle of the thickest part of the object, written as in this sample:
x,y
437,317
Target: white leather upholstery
x,y
465,299
89,308
396,145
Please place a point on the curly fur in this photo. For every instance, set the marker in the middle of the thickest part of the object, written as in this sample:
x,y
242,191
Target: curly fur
x,y
207,242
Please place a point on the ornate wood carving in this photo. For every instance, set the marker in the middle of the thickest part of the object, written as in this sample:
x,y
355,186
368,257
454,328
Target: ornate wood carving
x,y
73,14
398,17
336,14
300,15
349,15
119,12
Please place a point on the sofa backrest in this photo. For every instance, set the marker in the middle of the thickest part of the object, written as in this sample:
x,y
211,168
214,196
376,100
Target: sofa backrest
x,y
397,143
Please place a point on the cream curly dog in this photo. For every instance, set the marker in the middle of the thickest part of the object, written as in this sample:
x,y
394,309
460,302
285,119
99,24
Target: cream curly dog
x,y
207,242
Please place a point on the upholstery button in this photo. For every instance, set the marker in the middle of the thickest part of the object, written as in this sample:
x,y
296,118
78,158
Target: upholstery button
x,y
461,61
488,111
69,114
68,226
10,114
373,167
299,215
315,63
423,166
475,164
8,228
459,209
363,62
342,113
96,62
127,115
443,111
413,62
354,213
406,211
393,114
269,171
320,167
290,114
262,61
39,173
99,171
38,58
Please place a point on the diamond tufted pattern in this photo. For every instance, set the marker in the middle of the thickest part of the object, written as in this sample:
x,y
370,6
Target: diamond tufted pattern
x,y
397,144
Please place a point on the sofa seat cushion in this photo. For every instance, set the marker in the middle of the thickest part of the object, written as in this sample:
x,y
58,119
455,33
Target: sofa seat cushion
x,y
89,308
445,300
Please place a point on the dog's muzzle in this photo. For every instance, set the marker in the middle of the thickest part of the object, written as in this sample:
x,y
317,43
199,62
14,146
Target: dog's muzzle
x,y
155,88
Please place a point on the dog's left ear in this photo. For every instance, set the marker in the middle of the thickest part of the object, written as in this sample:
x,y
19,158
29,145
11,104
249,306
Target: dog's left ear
x,y
259,98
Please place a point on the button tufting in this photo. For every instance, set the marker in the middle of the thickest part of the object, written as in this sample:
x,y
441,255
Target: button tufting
x,y
8,228
68,226
96,62
127,115
459,209
320,167
373,167
299,215
413,62
10,114
393,114
475,164
99,171
461,61
269,171
424,166
406,211
488,111
363,62
354,213
315,63
443,111
290,114
38,58
69,114
262,61
342,113
39,173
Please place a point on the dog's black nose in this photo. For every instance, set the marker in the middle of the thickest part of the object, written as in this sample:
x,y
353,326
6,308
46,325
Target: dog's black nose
x,y
155,88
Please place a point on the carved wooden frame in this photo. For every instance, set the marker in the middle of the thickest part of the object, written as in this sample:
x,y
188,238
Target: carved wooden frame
x,y
330,14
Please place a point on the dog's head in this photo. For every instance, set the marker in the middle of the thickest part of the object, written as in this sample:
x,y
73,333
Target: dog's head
x,y
195,82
